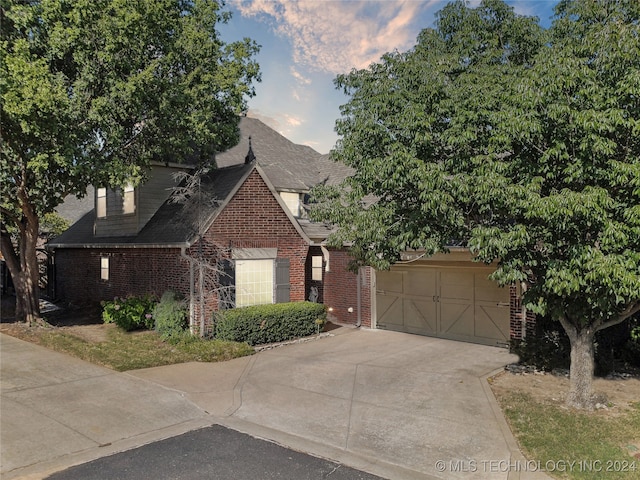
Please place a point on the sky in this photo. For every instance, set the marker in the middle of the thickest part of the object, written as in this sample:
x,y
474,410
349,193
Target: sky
x,y
305,44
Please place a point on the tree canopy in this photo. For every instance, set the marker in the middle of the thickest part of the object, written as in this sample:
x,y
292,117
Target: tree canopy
x,y
91,91
520,143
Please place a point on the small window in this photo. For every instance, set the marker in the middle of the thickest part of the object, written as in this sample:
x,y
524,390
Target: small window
x,y
101,203
129,199
316,267
292,200
104,268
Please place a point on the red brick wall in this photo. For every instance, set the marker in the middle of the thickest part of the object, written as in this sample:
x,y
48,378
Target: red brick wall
x,y
340,290
131,272
519,318
254,219
319,284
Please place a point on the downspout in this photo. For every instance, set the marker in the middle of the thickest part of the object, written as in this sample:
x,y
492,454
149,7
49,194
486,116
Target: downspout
x,y
184,255
359,300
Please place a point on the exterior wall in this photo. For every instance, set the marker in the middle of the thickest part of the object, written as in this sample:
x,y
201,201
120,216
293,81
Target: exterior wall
x,y
318,284
340,290
148,198
254,219
522,323
131,272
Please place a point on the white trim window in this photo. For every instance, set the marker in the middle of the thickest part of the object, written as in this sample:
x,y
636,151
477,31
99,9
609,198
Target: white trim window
x,y
104,268
292,201
128,199
254,282
101,202
316,268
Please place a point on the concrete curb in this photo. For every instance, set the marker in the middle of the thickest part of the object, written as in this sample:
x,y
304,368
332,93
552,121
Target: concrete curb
x,y
517,459
43,469
327,452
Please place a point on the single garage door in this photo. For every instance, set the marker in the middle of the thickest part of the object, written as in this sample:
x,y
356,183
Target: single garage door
x,y
454,303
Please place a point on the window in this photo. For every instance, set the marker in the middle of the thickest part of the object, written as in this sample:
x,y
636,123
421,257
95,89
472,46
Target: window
x,y
254,282
129,199
104,268
316,267
292,200
101,203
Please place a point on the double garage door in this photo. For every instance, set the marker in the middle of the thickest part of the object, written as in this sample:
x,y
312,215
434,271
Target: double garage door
x,y
454,303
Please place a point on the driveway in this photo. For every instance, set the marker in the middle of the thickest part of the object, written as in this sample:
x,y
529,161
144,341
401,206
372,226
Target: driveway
x,y
392,404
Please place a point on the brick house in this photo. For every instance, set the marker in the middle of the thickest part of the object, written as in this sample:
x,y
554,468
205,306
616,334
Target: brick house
x,y
253,228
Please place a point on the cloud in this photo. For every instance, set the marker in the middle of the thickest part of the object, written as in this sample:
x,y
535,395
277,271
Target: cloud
x,y
299,77
336,36
283,123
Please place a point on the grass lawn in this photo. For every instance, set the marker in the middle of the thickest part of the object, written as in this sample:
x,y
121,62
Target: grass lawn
x,y
121,351
603,444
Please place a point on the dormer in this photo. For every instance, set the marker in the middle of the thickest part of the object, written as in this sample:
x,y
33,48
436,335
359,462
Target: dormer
x,y
122,212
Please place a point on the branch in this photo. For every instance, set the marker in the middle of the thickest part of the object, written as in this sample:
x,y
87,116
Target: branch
x,y
9,252
9,214
632,309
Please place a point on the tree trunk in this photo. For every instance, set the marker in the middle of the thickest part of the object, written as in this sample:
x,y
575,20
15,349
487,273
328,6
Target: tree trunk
x,y
23,267
27,298
581,394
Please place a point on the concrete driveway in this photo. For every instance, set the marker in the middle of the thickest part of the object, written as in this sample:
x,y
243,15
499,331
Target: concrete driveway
x,y
392,404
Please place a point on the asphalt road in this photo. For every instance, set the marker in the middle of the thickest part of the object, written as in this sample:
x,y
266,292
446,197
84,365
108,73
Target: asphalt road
x,y
215,452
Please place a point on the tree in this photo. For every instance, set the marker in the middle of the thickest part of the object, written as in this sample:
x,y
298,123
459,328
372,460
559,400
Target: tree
x,y
519,143
92,91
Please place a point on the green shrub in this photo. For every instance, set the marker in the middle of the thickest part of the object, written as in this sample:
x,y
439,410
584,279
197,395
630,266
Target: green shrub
x,y
549,347
171,317
130,313
631,350
261,324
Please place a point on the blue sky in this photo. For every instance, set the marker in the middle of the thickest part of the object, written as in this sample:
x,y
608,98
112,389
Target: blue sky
x,y
306,43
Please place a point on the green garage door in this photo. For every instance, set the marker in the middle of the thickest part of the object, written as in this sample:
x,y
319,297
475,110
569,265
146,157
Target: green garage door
x,y
454,303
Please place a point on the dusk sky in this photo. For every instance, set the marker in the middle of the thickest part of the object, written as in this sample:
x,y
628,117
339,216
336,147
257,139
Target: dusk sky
x,y
306,43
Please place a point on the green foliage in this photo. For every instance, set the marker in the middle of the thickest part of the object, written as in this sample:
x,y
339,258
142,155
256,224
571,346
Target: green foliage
x,y
92,91
269,323
52,225
519,143
130,313
548,348
171,317
631,351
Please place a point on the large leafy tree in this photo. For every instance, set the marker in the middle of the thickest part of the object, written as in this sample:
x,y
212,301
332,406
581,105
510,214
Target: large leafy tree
x,y
520,143
92,90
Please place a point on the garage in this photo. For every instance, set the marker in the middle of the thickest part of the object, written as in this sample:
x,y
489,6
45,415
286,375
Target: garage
x,y
456,303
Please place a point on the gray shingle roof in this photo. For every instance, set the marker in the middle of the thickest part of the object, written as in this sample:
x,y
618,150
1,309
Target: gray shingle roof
x,y
172,224
287,165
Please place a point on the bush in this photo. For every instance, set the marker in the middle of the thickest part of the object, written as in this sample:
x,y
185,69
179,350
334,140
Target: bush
x,y
130,313
171,317
549,346
631,351
269,323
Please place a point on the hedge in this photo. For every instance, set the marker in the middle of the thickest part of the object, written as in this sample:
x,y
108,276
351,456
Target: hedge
x,y
278,322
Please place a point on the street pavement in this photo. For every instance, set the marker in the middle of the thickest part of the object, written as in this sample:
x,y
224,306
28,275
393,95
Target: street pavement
x,y
212,453
394,405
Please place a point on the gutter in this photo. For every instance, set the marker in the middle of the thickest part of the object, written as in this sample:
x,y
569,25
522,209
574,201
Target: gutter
x,y
117,245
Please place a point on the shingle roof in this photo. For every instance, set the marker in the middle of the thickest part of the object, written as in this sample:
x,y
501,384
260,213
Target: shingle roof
x,y
288,166
172,224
